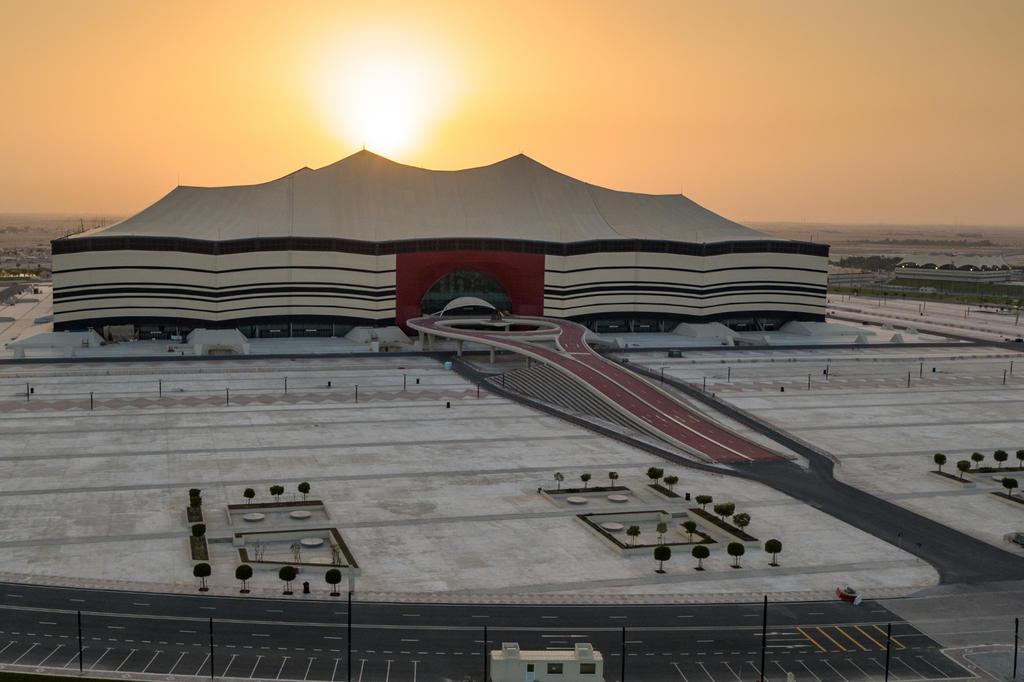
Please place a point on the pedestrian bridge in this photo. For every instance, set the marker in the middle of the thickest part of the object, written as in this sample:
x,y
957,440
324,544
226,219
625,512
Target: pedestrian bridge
x,y
651,408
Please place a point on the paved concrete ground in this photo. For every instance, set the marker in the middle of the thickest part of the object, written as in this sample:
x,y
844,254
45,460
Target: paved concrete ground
x,y
430,499
883,433
955,318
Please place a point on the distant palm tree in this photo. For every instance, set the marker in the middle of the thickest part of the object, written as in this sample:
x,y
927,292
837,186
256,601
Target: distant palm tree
x,y
558,479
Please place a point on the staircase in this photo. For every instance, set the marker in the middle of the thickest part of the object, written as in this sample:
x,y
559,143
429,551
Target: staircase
x,y
544,383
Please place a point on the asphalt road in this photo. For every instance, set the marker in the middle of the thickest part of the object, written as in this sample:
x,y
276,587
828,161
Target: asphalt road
x,y
294,639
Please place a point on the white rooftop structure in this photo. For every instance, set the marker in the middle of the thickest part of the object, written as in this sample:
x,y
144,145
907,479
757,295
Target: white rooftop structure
x,y
367,197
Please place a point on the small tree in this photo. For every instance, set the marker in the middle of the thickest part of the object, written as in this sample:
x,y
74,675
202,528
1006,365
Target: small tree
x,y
248,494
741,520
287,575
661,528
773,547
633,532
963,466
724,510
655,474
670,481
735,550
558,479
612,477
939,460
704,501
586,480
1009,484
700,553
195,501
977,458
243,573
1000,456
198,530
662,553
690,527
1020,458
202,571
304,489
333,577
194,492
277,491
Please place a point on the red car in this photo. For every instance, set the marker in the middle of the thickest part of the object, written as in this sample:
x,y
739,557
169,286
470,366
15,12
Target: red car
x,y
848,594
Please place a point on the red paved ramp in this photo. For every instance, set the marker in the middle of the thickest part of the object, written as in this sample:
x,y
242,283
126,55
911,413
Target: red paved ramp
x,y
651,408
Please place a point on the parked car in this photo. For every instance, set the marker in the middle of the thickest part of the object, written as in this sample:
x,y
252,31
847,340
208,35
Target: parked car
x,y
1015,538
848,594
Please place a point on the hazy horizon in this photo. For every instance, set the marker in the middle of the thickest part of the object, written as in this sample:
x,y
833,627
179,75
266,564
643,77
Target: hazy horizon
x,y
765,112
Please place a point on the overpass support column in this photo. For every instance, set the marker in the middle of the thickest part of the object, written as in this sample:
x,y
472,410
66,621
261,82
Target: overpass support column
x,y
529,362
492,355
459,346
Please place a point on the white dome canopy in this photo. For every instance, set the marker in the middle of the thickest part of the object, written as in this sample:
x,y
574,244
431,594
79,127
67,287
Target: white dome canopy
x,y
369,198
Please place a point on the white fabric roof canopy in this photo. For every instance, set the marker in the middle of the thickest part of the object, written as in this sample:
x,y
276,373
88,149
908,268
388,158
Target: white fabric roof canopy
x,y
367,197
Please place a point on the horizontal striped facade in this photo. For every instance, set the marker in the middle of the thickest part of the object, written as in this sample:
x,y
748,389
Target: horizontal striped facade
x,y
103,280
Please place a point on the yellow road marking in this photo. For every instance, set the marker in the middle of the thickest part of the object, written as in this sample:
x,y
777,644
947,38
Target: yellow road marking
x,y
894,640
830,638
850,637
864,633
812,640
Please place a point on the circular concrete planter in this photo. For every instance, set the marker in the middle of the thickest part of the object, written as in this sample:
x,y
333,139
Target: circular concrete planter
x,y
253,517
618,498
311,542
576,499
612,526
299,514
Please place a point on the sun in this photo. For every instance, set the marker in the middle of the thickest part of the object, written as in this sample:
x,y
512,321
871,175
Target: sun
x,y
386,100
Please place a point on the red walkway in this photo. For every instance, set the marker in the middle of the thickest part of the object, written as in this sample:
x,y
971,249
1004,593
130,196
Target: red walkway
x,y
653,409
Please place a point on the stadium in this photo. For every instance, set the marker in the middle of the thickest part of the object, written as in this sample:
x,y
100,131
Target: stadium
x,y
367,241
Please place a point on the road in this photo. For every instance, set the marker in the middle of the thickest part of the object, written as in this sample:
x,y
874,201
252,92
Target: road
x,y
651,408
293,639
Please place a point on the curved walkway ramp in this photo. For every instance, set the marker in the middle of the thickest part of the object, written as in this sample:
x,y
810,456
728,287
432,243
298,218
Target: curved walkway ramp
x,y
652,409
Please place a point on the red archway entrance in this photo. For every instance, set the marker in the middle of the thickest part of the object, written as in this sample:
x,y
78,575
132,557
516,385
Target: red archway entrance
x,y
520,274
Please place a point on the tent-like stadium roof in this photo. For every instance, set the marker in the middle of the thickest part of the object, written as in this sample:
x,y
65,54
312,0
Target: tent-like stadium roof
x,y
368,197
947,261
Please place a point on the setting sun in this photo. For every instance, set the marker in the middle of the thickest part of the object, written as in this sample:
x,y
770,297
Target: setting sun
x,y
386,100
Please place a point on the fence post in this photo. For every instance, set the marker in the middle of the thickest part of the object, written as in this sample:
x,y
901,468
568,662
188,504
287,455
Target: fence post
x,y
888,646
160,388
357,393
1016,633
227,396
349,637
486,656
80,642
211,649
90,392
764,635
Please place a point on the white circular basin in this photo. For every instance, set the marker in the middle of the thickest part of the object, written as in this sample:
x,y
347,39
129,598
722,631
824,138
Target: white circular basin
x,y
311,542
576,499
612,526
254,516
618,498
299,514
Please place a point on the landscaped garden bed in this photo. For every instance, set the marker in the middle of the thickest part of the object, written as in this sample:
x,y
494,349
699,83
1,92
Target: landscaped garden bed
x,y
200,551
613,527
591,489
953,477
724,525
1008,498
663,491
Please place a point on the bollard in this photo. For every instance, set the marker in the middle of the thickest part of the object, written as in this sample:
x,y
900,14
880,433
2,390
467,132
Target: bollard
x,y
227,396
90,393
305,587
357,393
160,388
417,381
405,378
447,404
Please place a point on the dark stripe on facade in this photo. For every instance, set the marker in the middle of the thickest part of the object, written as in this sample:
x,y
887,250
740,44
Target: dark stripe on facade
x,y
66,245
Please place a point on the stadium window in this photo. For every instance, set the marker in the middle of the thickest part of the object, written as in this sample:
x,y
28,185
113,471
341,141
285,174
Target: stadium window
x,y
554,668
588,668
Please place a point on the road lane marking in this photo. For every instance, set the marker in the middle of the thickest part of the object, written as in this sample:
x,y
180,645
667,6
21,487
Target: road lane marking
x,y
73,658
58,648
891,639
97,662
850,637
333,672
732,671
158,652
180,656
130,653
928,663
201,666
256,665
864,633
862,671
362,664
224,673
809,670
308,666
414,665
841,676
811,640
710,677
831,639
281,669
15,661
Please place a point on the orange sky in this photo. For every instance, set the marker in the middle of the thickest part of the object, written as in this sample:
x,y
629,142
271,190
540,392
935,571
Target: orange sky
x,y
856,111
